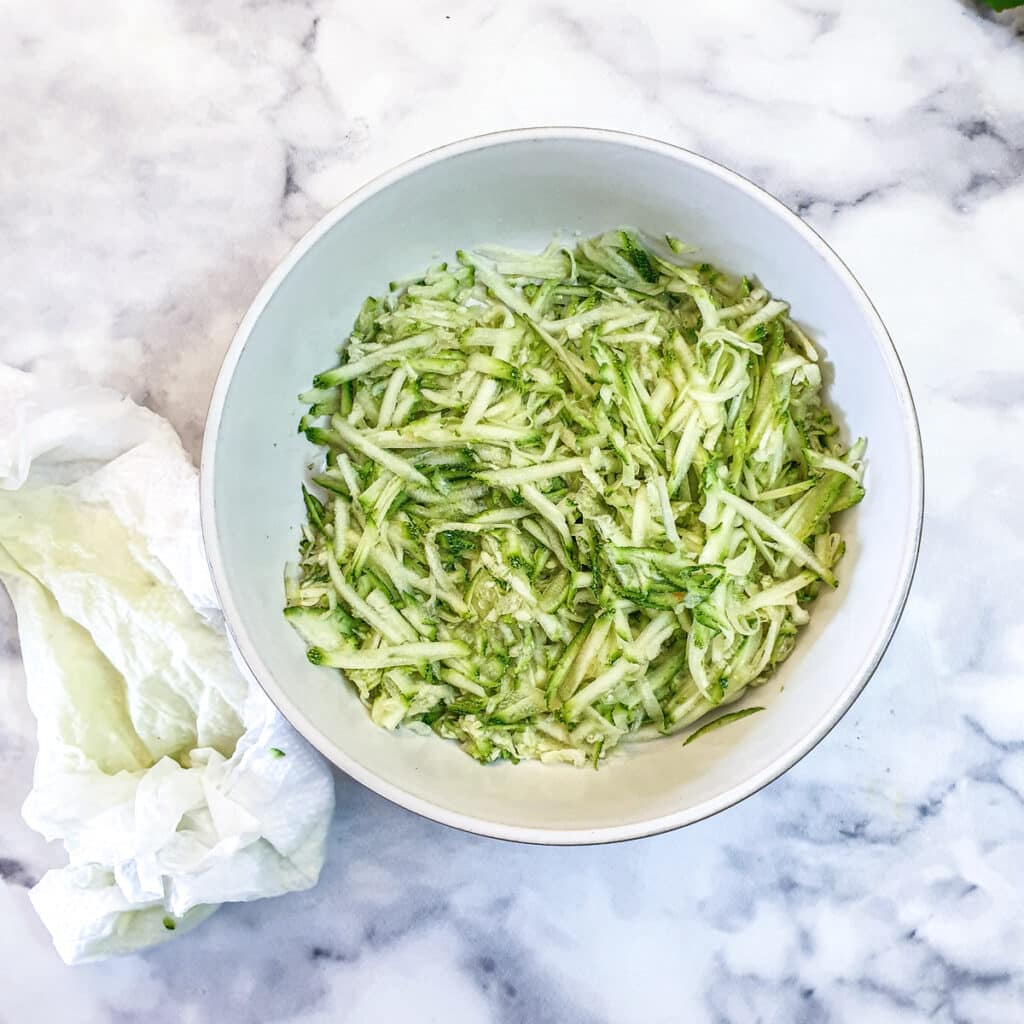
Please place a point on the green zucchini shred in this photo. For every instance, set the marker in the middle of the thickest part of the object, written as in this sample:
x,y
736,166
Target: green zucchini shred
x,y
567,499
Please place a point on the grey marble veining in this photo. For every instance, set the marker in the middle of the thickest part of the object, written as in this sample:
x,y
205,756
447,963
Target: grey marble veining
x,y
161,156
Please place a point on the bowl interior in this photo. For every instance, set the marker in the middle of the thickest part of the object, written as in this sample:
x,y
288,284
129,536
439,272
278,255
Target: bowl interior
x,y
519,191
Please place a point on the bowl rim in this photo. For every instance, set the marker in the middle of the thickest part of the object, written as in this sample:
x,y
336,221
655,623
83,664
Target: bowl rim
x,y
253,666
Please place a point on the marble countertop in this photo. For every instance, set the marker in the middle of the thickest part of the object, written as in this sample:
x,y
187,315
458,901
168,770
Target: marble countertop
x,y
161,156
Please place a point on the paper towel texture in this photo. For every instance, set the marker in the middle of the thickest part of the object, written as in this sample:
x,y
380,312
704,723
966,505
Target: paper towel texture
x,y
171,780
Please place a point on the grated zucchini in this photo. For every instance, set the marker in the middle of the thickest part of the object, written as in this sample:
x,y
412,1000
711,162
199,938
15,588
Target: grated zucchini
x,y
567,497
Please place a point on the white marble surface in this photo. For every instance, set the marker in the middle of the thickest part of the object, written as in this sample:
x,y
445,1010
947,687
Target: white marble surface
x,y
161,156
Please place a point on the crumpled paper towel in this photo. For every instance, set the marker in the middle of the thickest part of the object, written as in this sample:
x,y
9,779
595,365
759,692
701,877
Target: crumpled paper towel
x,y
160,766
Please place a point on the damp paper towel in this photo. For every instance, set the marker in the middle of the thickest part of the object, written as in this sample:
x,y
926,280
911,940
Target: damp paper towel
x,y
171,780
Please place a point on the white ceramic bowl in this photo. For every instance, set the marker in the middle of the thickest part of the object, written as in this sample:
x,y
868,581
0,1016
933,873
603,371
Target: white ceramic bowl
x,y
518,188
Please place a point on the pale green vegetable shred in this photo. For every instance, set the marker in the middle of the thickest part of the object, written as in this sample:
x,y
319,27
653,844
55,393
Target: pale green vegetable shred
x,y
568,498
